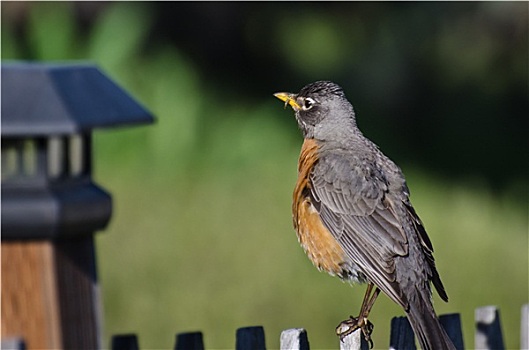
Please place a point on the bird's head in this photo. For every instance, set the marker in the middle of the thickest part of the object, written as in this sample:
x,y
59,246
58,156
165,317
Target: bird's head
x,y
320,108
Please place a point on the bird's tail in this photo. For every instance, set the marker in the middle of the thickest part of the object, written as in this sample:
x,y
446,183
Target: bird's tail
x,y
425,324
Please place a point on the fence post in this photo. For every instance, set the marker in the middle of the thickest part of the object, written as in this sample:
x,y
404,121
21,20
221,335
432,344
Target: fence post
x,y
125,342
354,341
189,341
488,329
294,339
401,336
13,344
250,338
524,332
452,325
51,208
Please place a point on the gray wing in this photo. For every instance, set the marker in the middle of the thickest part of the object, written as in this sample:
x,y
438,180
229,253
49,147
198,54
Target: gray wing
x,y
355,204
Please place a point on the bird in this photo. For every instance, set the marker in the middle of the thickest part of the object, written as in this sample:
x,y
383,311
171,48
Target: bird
x,y
353,217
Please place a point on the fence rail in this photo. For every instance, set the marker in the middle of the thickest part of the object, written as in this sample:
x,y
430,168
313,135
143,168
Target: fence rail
x,y
488,335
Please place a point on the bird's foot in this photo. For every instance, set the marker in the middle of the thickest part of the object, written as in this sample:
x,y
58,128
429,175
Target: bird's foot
x,y
354,323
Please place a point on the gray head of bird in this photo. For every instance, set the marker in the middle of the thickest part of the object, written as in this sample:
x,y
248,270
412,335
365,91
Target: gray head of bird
x,y
322,110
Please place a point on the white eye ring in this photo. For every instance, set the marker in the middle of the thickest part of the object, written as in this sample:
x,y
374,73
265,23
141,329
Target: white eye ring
x,y
308,103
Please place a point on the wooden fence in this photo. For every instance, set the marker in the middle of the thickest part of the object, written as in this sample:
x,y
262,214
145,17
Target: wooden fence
x,y
488,335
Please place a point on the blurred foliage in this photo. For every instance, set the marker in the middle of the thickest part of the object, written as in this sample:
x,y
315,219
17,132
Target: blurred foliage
x,y
201,235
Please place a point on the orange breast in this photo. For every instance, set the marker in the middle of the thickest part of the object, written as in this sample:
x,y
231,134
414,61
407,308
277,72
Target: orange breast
x,y
319,244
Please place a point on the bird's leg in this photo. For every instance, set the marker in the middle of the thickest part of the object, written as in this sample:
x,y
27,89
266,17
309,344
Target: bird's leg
x,y
353,323
367,327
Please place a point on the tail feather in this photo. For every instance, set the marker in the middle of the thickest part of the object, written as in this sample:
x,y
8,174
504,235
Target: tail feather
x,y
429,332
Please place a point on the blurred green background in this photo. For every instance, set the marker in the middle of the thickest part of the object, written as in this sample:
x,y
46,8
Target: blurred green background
x,y
201,236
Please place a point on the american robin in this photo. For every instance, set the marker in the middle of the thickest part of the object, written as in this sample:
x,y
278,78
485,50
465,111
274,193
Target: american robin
x,y
353,217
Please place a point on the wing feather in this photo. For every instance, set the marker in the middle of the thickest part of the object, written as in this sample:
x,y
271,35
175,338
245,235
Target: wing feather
x,y
354,205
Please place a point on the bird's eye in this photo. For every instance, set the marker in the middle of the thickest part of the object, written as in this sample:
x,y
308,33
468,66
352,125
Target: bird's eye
x,y
308,103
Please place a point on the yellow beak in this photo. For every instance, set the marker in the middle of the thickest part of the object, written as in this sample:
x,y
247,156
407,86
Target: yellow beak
x,y
289,99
